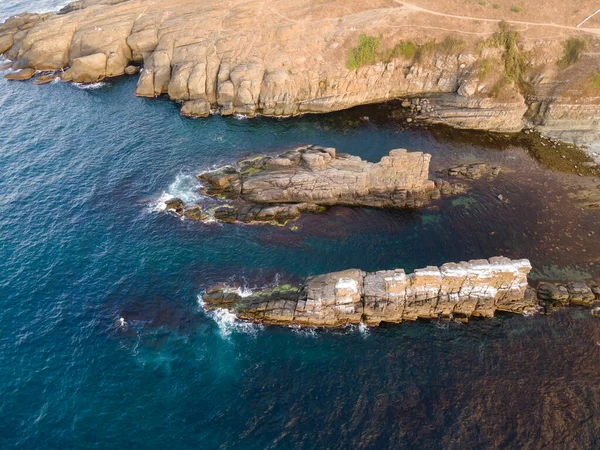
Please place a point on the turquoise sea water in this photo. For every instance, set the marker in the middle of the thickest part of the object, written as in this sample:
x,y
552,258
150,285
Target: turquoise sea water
x,y
103,343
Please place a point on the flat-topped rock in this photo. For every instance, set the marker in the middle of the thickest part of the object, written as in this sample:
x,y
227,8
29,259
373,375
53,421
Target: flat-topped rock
x,y
317,175
476,288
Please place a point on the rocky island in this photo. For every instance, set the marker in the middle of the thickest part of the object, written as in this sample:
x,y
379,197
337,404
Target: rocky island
x,y
311,178
477,288
498,68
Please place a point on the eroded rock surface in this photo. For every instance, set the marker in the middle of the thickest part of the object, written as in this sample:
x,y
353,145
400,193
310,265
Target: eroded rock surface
x,y
476,288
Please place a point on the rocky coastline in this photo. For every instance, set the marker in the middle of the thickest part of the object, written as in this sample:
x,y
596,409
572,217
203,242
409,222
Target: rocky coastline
x,y
454,291
210,57
311,178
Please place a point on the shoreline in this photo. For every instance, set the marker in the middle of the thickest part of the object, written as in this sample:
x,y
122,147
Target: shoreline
x,y
464,80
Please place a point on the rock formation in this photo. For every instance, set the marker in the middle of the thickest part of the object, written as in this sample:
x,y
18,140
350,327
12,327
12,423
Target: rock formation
x,y
287,58
310,178
476,288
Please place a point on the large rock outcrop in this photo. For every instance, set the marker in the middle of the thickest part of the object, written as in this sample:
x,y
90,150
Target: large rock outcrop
x,y
476,288
310,178
285,58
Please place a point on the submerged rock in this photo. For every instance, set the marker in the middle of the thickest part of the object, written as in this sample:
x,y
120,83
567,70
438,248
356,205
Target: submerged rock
x,y
45,79
476,288
473,171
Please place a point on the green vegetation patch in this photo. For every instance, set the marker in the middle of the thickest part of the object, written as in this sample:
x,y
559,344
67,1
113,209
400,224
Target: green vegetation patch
x,y
405,49
368,52
512,58
365,54
573,48
515,8
595,81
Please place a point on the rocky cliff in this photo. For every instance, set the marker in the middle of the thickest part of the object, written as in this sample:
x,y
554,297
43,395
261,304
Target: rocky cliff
x,y
286,58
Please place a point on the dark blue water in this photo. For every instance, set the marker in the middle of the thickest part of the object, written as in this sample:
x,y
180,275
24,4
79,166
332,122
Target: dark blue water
x,y
82,247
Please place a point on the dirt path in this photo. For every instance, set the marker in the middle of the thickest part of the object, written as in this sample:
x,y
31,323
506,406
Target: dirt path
x,y
415,8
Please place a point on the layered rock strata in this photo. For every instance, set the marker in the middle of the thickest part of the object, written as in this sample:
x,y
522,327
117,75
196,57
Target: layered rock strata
x,y
311,178
288,58
477,288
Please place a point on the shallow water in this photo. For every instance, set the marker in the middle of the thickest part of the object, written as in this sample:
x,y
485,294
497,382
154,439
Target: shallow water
x,y
83,247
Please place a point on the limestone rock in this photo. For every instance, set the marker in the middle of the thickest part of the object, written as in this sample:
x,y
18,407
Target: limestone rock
x,y
317,175
307,179
474,288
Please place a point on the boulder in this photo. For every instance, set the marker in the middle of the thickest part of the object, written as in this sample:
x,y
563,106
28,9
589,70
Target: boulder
x,y
553,293
132,70
20,75
194,213
174,204
89,69
195,108
6,42
580,293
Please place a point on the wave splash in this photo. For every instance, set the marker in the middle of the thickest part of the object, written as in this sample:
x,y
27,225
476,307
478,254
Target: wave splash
x,y
90,86
185,187
228,323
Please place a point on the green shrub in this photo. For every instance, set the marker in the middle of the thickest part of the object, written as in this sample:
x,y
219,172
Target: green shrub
x,y
366,53
485,67
496,6
573,48
514,62
449,45
482,2
596,80
515,9
406,50
452,45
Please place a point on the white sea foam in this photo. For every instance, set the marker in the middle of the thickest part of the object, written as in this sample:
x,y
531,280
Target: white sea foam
x,y
185,187
90,86
244,292
308,332
363,329
228,323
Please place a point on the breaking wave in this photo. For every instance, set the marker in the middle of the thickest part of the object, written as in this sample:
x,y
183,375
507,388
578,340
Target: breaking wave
x,y
185,187
228,323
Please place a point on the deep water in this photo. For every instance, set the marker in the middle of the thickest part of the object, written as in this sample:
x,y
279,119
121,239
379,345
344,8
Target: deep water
x,y
103,342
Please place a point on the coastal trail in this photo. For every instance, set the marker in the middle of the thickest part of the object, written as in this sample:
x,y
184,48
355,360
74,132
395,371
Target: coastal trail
x,y
416,8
